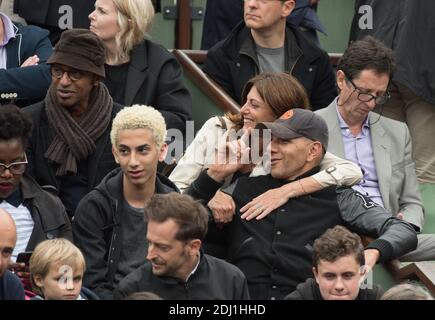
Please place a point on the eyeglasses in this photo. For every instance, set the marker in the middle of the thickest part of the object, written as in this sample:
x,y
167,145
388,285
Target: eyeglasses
x,y
367,97
263,1
14,167
73,74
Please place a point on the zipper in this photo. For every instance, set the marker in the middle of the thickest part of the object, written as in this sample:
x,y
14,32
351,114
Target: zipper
x,y
113,236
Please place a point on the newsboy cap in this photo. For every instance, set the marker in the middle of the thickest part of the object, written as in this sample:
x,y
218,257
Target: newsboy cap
x,y
80,49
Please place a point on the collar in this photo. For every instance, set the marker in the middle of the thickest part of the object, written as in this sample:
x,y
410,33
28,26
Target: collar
x,y
139,57
291,44
15,199
9,30
194,269
172,280
280,182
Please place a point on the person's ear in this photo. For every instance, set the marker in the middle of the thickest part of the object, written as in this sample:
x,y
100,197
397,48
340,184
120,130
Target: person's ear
x,y
341,80
315,150
316,274
194,246
287,7
163,152
115,154
39,280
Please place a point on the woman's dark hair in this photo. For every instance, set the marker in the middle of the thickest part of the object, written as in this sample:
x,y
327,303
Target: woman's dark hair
x,y
280,91
15,124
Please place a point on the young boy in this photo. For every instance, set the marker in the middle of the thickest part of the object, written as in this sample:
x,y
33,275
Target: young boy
x,y
338,267
56,271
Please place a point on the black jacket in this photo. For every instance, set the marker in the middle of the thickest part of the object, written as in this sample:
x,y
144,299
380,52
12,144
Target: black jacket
x,y
154,78
11,287
275,253
100,162
309,290
221,16
232,62
214,279
48,213
396,24
96,229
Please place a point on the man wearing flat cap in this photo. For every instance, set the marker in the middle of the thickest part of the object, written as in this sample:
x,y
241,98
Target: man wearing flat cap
x,y
275,253
70,147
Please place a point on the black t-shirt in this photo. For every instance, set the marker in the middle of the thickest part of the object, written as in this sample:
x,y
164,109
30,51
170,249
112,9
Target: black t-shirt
x,y
134,244
116,78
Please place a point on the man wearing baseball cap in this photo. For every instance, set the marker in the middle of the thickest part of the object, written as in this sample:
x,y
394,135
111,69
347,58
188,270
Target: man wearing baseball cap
x,y
70,147
275,252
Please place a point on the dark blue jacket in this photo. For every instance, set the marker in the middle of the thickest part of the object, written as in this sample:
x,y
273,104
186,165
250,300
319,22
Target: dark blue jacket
x,y
11,287
29,83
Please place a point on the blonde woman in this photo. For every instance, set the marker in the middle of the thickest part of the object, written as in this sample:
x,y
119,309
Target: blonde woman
x,y
266,97
139,71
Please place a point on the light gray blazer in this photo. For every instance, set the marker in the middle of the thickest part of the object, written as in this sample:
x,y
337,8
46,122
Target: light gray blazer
x,y
394,165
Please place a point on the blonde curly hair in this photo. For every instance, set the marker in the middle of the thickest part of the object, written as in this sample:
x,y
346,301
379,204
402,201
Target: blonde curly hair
x,y
139,117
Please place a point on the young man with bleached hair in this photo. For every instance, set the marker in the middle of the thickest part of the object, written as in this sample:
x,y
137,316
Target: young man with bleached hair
x,y
109,227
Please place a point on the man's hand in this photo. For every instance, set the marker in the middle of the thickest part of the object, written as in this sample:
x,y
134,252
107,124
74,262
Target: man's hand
x,y
223,207
21,270
371,256
261,206
31,61
229,158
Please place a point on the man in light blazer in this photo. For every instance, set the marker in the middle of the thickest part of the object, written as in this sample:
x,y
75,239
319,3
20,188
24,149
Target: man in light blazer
x,y
380,146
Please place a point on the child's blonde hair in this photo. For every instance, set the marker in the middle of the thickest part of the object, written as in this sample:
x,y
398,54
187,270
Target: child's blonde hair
x,y
57,251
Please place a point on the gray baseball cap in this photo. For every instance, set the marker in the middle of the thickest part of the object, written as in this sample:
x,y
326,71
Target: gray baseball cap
x,y
296,123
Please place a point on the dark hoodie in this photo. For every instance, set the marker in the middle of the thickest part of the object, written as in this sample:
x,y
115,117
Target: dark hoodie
x,y
309,290
98,233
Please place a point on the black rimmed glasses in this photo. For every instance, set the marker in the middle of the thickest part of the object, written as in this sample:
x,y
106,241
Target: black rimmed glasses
x,y
262,1
367,97
15,167
73,74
